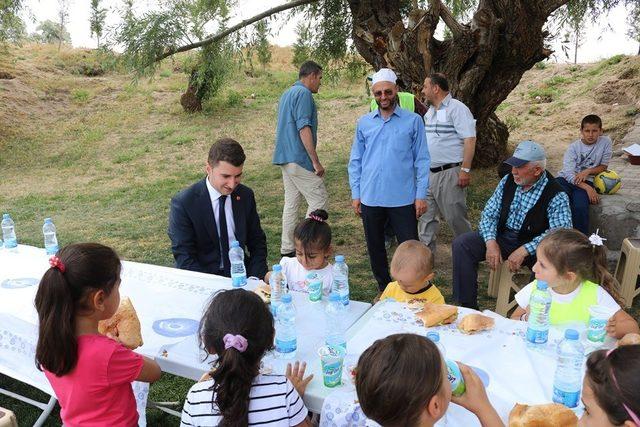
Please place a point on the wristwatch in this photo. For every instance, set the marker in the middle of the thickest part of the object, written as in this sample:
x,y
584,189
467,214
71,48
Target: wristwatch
x,y
467,170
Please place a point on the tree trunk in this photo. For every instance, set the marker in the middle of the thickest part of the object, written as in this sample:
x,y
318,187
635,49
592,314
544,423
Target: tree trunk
x,y
484,61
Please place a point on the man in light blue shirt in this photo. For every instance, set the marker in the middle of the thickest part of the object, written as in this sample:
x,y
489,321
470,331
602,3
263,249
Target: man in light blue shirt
x,y
295,152
388,172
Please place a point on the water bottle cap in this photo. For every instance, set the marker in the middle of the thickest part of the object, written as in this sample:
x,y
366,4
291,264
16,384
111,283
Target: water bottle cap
x,y
286,298
542,285
339,258
6,216
434,336
47,220
334,296
571,334
235,244
277,267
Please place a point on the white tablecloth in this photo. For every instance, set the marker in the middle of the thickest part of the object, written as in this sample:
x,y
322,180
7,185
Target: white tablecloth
x,y
169,303
515,373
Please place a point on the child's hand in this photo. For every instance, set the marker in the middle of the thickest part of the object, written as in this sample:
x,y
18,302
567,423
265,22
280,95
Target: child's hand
x,y
475,397
594,198
611,327
581,177
296,376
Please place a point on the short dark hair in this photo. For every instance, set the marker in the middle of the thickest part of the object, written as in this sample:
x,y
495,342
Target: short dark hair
x,y
226,150
591,119
440,80
397,377
309,67
614,376
313,233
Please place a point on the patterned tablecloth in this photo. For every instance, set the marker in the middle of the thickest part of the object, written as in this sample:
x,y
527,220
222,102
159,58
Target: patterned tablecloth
x,y
169,303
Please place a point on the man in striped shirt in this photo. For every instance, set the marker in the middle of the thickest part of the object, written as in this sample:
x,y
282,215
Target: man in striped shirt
x,y
451,137
526,204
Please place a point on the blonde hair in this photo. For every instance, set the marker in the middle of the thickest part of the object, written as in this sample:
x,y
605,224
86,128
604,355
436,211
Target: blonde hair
x,y
412,254
568,250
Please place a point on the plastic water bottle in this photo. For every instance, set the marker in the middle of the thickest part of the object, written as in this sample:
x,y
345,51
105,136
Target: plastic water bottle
x,y
435,337
9,232
238,270
539,305
277,281
335,313
286,336
568,379
50,239
341,279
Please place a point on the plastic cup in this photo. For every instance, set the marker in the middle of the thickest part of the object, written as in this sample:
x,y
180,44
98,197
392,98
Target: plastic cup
x,y
331,361
314,286
598,317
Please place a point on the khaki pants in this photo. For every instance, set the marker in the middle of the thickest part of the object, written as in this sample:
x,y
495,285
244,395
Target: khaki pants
x,y
298,183
447,200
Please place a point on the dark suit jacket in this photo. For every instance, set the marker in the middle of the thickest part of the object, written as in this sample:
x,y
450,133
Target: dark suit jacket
x,y
194,236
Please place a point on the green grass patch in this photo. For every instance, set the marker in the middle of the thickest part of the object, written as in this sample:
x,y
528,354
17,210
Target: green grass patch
x,y
165,73
80,96
182,140
544,94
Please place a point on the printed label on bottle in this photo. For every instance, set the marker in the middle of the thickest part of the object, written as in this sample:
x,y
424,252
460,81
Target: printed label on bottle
x,y
536,336
239,280
286,346
567,398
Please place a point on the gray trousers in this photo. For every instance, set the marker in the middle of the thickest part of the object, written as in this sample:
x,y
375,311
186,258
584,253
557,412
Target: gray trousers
x,y
446,200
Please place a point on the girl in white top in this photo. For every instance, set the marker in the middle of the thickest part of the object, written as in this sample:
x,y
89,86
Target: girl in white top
x,y
312,237
238,328
575,269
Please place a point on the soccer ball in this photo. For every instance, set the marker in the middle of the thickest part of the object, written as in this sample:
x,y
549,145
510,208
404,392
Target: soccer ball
x,y
607,182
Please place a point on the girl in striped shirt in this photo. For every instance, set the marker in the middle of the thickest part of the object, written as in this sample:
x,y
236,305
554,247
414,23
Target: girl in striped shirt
x,y
238,328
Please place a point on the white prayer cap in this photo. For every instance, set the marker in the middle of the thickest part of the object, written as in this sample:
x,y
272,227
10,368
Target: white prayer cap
x,y
384,75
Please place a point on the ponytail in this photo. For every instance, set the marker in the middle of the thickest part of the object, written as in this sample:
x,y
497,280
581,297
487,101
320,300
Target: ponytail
x,y
602,276
82,268
236,312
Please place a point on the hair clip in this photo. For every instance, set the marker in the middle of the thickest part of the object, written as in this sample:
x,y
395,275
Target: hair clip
x,y
236,341
596,240
316,218
55,262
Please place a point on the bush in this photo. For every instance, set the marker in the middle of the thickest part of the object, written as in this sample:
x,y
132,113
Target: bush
x,y
541,65
234,99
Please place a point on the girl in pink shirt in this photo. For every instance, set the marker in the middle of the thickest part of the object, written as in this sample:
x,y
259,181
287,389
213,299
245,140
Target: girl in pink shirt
x,y
90,373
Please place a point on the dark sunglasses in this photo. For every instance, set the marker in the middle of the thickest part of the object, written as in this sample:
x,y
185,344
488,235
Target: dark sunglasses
x,y
387,92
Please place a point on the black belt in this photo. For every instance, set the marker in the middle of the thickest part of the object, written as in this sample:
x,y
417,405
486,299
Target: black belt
x,y
445,167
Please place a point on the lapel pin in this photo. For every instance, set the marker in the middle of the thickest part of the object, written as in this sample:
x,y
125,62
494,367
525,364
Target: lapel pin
x,y
237,197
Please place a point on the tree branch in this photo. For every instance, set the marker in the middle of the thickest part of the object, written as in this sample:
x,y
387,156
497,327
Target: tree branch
x,y
448,18
171,51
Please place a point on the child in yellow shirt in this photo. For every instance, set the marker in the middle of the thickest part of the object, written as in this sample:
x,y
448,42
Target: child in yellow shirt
x,y
412,268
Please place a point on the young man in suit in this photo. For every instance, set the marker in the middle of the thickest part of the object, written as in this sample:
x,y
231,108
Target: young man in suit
x,y
205,218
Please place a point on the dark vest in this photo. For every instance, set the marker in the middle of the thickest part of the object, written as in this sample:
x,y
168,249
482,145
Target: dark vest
x,y
536,221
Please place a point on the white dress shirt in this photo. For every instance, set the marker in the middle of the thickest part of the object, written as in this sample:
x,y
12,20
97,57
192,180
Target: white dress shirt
x,y
214,195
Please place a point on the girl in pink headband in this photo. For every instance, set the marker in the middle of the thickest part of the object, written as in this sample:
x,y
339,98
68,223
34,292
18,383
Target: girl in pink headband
x,y
611,389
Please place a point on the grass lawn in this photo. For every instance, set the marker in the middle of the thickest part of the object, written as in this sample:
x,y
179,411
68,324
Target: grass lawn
x,y
103,157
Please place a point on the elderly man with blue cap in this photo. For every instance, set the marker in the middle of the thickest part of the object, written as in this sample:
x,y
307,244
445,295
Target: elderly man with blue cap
x,y
527,203
388,172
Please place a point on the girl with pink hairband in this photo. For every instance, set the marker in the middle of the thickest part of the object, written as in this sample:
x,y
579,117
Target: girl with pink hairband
x,y
611,389
237,329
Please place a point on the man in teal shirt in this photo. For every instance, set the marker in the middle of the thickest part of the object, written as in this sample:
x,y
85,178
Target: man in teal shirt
x,y
295,152
388,172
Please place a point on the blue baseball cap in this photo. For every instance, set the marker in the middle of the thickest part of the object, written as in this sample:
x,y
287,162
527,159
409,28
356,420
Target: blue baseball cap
x,y
526,151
